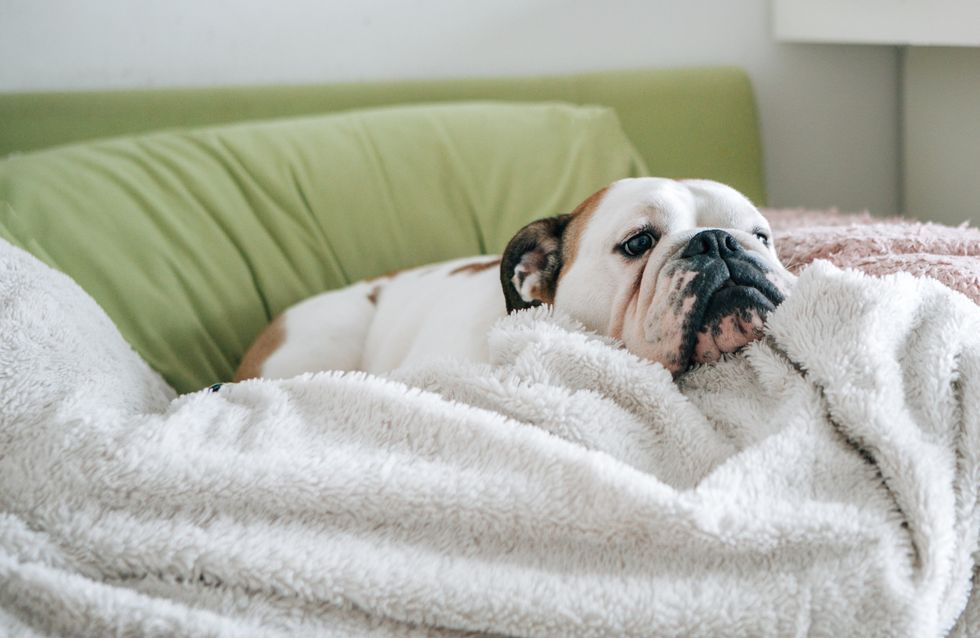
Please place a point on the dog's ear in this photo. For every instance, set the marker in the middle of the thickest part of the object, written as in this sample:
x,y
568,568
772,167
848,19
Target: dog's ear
x,y
531,262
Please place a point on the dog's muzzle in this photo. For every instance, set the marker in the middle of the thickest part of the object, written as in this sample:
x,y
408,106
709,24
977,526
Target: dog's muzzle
x,y
732,296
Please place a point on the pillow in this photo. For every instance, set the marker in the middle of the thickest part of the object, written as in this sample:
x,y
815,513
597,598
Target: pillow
x,y
193,240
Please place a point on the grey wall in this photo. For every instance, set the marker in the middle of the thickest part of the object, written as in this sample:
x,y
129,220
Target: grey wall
x,y
829,113
941,123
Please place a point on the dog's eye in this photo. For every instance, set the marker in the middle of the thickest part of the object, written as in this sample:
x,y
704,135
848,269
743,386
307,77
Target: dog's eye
x,y
764,238
637,244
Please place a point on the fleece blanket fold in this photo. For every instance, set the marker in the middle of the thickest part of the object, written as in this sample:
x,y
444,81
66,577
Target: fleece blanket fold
x,y
823,483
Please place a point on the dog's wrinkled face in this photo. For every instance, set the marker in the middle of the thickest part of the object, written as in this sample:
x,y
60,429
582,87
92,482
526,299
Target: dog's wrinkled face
x,y
680,271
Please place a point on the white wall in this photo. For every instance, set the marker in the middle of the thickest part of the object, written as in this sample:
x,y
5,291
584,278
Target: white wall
x,y
829,114
942,134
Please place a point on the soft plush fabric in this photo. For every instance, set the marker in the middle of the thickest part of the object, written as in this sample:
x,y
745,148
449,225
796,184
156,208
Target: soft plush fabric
x,y
686,122
193,241
824,483
880,246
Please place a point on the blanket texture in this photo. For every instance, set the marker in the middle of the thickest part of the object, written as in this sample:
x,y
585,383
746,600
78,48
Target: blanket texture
x,y
880,246
823,483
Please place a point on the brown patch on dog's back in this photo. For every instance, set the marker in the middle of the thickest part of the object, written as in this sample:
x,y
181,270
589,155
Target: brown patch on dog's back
x,y
268,342
386,275
475,267
373,295
391,274
576,226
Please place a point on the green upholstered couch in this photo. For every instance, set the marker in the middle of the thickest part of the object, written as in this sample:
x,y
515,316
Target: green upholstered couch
x,y
193,216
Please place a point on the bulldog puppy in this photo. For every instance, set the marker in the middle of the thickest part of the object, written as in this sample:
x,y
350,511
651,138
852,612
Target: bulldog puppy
x,y
682,272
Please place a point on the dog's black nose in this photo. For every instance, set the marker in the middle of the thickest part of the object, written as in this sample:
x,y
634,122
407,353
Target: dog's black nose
x,y
712,243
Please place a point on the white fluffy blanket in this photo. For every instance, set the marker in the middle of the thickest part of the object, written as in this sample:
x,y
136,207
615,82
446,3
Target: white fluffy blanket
x,y
825,483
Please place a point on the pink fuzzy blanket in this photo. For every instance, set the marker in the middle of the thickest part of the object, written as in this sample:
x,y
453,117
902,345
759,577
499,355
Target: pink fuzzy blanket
x,y
880,246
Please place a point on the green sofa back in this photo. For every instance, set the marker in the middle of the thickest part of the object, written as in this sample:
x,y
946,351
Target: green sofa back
x,y
192,240
685,122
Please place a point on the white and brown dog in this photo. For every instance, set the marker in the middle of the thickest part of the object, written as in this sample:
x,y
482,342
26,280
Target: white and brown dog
x,y
680,271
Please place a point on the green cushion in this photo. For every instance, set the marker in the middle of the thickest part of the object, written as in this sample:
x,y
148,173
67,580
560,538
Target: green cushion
x,y
685,122
192,241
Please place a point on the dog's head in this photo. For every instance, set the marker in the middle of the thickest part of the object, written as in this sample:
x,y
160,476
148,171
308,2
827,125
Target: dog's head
x,y
680,271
